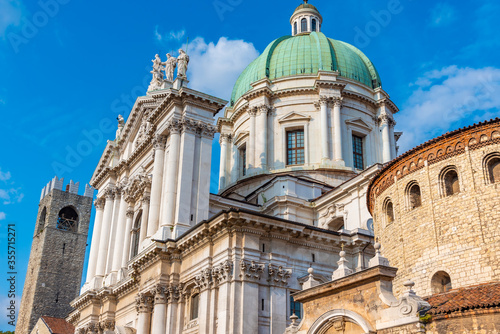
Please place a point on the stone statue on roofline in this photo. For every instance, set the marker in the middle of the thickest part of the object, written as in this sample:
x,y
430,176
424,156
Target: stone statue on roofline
x,y
157,72
182,63
170,66
121,124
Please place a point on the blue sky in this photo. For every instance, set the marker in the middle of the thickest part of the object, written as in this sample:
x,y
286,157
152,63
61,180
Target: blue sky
x,y
69,67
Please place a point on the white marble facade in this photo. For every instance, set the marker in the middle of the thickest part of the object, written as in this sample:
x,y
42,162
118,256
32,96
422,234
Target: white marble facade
x,y
169,257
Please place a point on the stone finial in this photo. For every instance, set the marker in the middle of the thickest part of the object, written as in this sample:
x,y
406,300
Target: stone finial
x,y
343,270
294,326
409,284
311,282
378,259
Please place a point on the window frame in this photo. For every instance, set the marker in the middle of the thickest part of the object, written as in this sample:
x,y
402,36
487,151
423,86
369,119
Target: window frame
x,y
388,201
354,153
291,301
302,25
408,195
487,162
296,148
194,310
444,184
135,235
314,25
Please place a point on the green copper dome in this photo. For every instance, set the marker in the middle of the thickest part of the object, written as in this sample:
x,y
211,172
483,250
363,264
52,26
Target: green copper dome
x,y
307,54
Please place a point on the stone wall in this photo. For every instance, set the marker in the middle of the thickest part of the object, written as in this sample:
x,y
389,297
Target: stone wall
x,y
56,261
457,234
467,322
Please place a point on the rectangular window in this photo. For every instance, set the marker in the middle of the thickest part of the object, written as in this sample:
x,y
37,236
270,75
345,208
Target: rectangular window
x,y
357,149
295,308
243,160
195,301
295,147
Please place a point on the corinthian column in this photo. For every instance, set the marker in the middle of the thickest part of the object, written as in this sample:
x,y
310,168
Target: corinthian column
x,y
96,234
224,138
144,307
385,121
154,207
159,322
324,128
144,217
261,139
120,235
106,226
172,172
128,231
337,126
251,140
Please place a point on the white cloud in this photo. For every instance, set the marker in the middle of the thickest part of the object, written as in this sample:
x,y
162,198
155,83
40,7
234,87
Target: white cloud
x,y
4,176
2,215
446,99
214,68
170,36
11,12
10,196
442,14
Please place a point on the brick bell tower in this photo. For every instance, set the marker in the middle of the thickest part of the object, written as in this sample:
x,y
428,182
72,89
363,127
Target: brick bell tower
x,y
57,253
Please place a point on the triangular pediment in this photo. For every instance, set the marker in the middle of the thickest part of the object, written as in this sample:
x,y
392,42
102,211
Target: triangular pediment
x,y
240,137
294,116
359,123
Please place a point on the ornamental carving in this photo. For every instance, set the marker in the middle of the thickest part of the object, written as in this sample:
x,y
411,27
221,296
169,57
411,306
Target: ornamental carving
x,y
173,293
130,212
92,328
225,137
159,295
144,303
204,279
223,272
108,325
99,203
174,127
252,112
208,131
109,193
278,275
337,102
251,269
159,142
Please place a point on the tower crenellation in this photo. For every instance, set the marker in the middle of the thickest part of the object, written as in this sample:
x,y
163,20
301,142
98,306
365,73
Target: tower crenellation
x,y
57,253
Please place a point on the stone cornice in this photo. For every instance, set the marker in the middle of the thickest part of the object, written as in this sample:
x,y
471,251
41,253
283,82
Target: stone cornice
x,y
436,150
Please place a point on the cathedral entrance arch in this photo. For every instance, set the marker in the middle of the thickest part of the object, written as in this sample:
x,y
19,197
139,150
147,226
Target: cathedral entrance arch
x,y
341,321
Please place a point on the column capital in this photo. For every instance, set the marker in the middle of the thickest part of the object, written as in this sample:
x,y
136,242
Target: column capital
x,y
252,112
324,100
146,198
278,275
251,270
385,119
159,294
109,193
263,109
223,272
207,131
173,293
174,127
159,142
144,303
204,279
107,325
338,101
225,137
99,203
130,212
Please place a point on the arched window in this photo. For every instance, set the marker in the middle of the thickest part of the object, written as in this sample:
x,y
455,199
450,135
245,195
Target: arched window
x,y
414,196
493,168
136,235
388,211
67,220
41,220
195,303
295,28
314,25
303,25
440,282
449,181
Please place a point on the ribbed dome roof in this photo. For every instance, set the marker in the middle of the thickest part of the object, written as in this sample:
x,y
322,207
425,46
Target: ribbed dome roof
x,y
307,54
308,6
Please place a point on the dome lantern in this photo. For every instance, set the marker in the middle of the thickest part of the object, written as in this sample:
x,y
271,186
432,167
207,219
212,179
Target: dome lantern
x,y
306,19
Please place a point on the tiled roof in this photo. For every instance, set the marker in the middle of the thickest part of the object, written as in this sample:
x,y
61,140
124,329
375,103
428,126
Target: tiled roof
x,y
58,325
478,296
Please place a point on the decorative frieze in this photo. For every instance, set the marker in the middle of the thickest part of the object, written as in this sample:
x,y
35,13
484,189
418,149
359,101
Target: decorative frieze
x,y
251,270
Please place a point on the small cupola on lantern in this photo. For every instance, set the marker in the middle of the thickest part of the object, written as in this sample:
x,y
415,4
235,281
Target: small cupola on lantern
x,y
306,19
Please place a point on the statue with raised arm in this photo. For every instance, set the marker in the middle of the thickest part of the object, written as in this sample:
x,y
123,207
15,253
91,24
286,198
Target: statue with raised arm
x,y
157,72
170,66
182,63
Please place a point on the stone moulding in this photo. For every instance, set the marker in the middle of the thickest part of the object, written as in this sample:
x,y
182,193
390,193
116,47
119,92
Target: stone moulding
x,y
441,148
